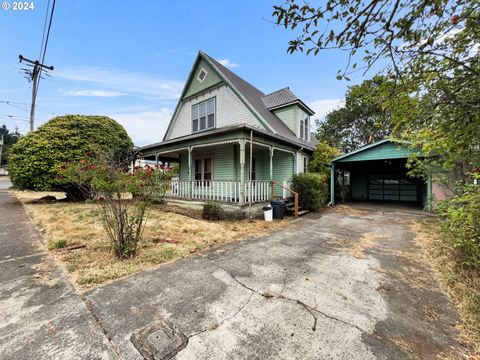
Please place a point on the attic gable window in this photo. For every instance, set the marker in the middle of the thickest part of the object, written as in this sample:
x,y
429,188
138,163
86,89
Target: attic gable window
x,y
202,74
203,115
304,128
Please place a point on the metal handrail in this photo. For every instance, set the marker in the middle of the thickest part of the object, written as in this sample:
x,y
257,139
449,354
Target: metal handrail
x,y
295,194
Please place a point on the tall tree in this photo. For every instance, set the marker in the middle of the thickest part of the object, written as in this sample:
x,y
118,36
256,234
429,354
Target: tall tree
x,y
9,138
430,50
361,120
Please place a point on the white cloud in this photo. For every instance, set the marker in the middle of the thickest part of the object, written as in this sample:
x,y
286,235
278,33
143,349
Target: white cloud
x,y
124,82
324,106
226,62
145,127
91,92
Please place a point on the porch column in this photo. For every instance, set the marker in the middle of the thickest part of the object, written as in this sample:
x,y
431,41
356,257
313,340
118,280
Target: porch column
x,y
271,163
332,184
295,165
190,187
242,170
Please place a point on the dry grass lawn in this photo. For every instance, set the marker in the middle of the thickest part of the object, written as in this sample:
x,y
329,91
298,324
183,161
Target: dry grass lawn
x,y
461,285
170,233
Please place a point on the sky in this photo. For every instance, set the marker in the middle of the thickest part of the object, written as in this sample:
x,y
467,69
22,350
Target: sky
x,y
129,60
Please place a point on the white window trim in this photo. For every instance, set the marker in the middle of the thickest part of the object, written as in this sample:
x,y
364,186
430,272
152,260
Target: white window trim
x,y
198,75
202,158
305,135
214,98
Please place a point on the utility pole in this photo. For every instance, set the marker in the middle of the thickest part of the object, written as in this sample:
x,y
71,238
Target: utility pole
x,y
1,149
34,76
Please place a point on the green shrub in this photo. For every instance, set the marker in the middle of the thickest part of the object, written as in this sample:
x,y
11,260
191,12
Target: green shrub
x,y
35,160
461,219
213,211
57,244
311,189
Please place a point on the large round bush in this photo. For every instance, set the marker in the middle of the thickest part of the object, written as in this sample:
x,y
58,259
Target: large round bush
x,y
36,158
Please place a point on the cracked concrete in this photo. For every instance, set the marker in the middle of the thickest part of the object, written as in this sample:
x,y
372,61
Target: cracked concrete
x,y
301,293
41,316
334,285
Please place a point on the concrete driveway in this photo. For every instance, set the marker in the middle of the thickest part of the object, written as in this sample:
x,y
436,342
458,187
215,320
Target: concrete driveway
x,y
348,283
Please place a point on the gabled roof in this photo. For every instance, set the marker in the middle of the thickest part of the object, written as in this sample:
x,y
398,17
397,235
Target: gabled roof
x,y
386,149
251,96
284,97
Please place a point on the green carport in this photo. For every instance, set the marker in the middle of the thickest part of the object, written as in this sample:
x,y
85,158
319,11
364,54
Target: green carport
x,y
378,172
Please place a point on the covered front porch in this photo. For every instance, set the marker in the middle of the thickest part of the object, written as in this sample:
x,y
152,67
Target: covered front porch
x,y
239,170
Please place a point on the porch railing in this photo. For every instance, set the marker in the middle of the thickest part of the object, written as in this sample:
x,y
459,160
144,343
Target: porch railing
x,y
220,190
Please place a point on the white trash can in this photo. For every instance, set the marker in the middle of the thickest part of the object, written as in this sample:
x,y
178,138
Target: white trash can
x,y
268,213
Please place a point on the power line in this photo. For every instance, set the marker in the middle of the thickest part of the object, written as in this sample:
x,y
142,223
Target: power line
x,y
46,40
13,102
13,117
39,65
44,29
13,105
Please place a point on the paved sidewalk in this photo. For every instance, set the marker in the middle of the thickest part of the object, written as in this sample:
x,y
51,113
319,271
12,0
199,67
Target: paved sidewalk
x,y
5,183
41,316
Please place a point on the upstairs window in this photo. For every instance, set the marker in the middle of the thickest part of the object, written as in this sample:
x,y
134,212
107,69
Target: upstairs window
x,y
304,128
203,115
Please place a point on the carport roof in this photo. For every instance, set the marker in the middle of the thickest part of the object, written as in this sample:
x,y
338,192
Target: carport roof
x,y
380,150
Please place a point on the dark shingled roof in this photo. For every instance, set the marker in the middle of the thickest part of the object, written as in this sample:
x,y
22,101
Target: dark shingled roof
x,y
279,98
255,98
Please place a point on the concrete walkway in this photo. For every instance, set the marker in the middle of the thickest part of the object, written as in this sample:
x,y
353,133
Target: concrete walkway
x,y
41,316
345,284
5,182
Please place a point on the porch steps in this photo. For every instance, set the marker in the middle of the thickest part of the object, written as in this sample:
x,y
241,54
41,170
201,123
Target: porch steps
x,y
291,209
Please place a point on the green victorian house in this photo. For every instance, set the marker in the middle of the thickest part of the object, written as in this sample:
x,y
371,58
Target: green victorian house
x,y
233,142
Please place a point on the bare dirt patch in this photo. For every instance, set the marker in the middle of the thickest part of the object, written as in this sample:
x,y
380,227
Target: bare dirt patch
x,y
358,247
350,210
171,233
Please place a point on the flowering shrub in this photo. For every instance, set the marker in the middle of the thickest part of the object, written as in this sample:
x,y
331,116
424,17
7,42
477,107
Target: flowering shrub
x,y
124,196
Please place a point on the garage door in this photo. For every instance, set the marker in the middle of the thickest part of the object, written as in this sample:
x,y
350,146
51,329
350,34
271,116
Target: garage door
x,y
392,187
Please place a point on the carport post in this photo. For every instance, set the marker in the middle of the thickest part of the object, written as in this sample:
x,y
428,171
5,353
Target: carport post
x,y
332,185
429,193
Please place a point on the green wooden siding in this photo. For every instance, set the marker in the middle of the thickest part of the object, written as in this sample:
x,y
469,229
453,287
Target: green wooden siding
x,y
387,150
183,164
289,115
196,86
222,157
282,169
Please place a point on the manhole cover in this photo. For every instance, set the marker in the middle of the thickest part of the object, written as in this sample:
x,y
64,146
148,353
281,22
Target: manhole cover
x,y
159,341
